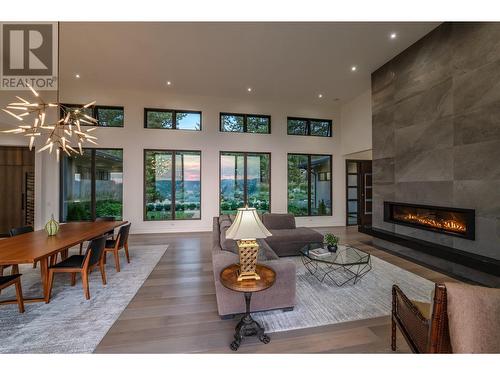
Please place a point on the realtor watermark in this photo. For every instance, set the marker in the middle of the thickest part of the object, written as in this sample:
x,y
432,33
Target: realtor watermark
x,y
28,56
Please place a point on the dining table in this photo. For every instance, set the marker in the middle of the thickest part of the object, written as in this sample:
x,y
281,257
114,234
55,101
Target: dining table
x,y
38,246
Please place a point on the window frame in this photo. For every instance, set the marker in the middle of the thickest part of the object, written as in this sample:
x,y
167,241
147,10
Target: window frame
x,y
95,111
173,152
92,187
245,175
309,156
245,122
174,118
308,121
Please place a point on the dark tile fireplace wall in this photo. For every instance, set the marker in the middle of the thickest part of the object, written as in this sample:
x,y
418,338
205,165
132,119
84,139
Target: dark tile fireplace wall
x,y
436,131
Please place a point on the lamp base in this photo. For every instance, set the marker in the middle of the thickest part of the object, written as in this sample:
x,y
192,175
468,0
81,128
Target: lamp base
x,y
248,250
248,276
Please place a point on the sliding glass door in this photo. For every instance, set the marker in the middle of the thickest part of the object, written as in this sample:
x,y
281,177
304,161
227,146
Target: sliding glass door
x,y
92,185
172,185
245,179
309,185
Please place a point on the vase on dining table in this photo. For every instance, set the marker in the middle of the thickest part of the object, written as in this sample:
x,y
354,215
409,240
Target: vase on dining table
x,y
52,226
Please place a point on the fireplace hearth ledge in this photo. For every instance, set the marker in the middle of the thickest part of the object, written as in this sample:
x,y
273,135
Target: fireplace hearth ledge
x,y
469,261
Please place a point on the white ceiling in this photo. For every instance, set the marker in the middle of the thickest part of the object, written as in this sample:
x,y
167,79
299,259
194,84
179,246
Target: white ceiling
x,y
279,61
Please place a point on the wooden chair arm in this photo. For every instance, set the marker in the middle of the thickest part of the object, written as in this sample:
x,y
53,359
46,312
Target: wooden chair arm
x,y
413,325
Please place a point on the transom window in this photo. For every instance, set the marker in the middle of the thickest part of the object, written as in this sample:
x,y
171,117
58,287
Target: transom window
x,y
308,126
172,119
243,123
106,116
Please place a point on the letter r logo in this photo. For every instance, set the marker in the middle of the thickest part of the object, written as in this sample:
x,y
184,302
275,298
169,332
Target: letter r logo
x,y
27,49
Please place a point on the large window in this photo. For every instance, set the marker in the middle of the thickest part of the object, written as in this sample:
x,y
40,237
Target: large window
x,y
172,185
92,185
106,116
242,123
172,119
309,185
309,126
245,179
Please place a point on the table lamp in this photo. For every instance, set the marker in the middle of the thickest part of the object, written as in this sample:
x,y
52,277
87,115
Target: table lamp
x,y
246,228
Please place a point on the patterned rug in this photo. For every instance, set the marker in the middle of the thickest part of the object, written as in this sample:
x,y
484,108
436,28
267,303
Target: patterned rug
x,y
70,323
322,303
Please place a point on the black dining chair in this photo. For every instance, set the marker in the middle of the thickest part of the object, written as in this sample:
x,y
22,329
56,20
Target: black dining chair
x,y
6,281
16,232
109,234
82,264
121,242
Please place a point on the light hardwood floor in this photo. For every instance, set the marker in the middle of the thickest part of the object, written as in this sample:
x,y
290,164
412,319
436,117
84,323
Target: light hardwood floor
x,y
175,310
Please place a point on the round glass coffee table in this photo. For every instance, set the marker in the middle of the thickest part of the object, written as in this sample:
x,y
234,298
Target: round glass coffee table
x,y
343,266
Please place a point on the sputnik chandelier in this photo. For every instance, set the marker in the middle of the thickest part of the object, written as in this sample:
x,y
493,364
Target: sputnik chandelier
x,y
66,134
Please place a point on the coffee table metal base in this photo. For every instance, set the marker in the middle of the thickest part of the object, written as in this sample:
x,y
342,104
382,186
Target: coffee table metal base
x,y
338,274
248,327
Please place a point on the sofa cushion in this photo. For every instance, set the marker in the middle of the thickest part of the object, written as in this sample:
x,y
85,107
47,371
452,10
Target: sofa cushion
x,y
265,252
473,318
278,221
227,243
286,242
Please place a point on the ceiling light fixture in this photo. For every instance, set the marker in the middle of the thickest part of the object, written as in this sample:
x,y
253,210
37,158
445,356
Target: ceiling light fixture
x,y
393,35
354,68
77,75
169,83
320,96
249,89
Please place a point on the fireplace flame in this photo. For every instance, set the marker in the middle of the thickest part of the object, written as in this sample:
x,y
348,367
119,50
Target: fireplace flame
x,y
446,224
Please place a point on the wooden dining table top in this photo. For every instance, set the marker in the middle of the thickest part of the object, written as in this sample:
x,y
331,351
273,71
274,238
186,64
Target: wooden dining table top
x,y
33,246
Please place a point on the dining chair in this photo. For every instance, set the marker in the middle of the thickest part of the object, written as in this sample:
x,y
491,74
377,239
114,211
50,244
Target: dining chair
x,y
111,233
6,281
83,264
121,242
15,232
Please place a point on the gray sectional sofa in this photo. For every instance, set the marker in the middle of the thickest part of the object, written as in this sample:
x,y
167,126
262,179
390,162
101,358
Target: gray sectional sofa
x,y
286,240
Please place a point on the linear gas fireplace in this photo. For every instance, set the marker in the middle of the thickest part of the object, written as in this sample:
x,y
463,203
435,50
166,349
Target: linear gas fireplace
x,y
459,222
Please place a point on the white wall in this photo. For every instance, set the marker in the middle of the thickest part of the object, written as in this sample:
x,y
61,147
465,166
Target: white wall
x,y
356,124
133,138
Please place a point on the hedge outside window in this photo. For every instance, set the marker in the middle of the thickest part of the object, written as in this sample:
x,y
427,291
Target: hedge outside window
x,y
307,126
243,123
245,179
172,119
106,116
309,185
92,185
172,185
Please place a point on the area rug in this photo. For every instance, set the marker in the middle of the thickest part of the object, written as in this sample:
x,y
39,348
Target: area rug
x,y
322,303
70,323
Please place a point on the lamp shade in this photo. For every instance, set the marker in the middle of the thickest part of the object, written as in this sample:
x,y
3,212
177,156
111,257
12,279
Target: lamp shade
x,y
247,225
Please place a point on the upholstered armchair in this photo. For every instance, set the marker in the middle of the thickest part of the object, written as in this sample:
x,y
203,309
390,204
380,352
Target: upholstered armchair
x,y
461,318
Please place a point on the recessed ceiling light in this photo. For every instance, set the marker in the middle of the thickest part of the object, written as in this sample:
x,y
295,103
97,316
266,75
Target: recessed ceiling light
x,y
249,89
169,83
354,68
77,75
393,35
320,96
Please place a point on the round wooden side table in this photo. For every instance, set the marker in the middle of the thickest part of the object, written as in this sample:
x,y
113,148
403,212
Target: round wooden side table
x,y
247,326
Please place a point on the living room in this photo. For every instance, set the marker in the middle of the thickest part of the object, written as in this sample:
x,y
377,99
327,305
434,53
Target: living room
x,y
249,187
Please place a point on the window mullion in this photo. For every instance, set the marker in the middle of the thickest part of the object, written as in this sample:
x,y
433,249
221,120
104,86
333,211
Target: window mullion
x,y
92,185
173,179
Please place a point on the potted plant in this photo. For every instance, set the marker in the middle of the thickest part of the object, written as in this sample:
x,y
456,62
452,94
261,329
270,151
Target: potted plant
x,y
331,242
